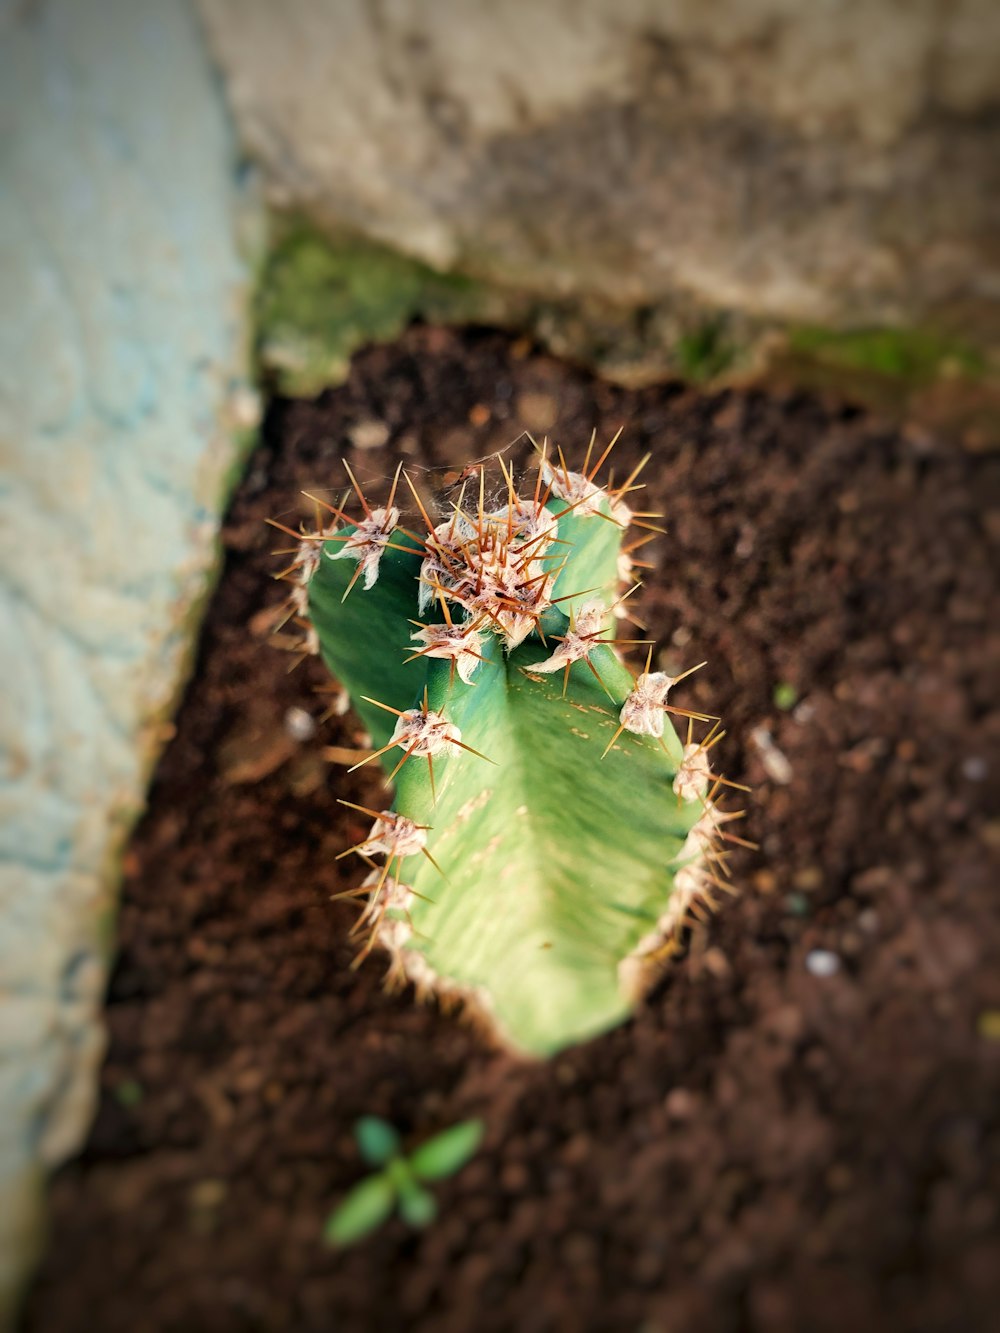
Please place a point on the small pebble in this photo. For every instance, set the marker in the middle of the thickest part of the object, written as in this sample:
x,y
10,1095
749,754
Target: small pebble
x,y
207,1193
975,769
775,761
808,879
538,411
299,724
765,881
680,1104
744,547
369,434
786,1023
868,920
822,963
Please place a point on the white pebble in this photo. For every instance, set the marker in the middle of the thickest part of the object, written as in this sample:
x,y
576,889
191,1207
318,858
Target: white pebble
x,y
369,434
975,769
775,761
822,963
299,724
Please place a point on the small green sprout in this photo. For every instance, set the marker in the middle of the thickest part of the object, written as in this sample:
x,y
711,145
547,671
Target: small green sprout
x,y
399,1182
785,696
128,1093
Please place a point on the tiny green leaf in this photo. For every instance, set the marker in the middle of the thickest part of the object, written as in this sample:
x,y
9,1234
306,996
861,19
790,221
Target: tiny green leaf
x,y
377,1140
365,1208
447,1152
417,1206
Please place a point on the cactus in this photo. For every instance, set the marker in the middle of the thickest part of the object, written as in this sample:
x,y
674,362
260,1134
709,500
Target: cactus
x,y
551,832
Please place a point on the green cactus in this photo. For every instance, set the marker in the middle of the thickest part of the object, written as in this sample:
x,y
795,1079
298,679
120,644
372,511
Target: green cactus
x,y
551,833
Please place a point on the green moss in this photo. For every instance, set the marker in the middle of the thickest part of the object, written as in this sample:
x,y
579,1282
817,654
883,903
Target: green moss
x,y
704,353
915,355
320,300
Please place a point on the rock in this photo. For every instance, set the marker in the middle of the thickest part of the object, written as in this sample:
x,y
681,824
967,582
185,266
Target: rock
x,y
829,165
775,761
120,402
369,434
538,411
822,963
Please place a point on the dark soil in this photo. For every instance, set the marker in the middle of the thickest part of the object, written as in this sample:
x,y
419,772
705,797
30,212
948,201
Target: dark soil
x,y
764,1148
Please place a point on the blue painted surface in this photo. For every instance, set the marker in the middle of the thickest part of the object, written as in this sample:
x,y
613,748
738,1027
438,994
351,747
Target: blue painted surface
x,y
122,322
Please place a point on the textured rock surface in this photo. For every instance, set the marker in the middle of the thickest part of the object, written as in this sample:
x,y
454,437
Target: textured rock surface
x,y
122,297
831,164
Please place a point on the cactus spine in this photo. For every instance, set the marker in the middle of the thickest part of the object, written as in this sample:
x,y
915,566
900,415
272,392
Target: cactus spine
x,y
551,832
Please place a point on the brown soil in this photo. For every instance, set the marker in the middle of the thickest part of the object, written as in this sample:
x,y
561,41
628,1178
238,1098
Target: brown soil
x,y
763,1148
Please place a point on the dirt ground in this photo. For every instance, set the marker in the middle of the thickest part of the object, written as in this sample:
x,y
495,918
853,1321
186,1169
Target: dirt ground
x,y
801,1128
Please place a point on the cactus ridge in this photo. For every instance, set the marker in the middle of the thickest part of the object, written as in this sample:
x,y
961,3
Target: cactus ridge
x,y
551,835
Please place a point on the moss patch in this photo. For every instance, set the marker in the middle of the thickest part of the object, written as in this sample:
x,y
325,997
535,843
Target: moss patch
x,y
705,353
913,355
916,374
321,300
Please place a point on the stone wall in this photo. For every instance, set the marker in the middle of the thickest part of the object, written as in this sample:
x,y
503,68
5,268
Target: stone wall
x,y
828,164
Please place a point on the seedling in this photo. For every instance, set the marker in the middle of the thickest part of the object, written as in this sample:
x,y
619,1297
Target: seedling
x,y
785,696
552,834
400,1182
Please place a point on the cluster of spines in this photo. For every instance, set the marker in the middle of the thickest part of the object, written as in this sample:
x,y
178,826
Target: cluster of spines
x,y
497,568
